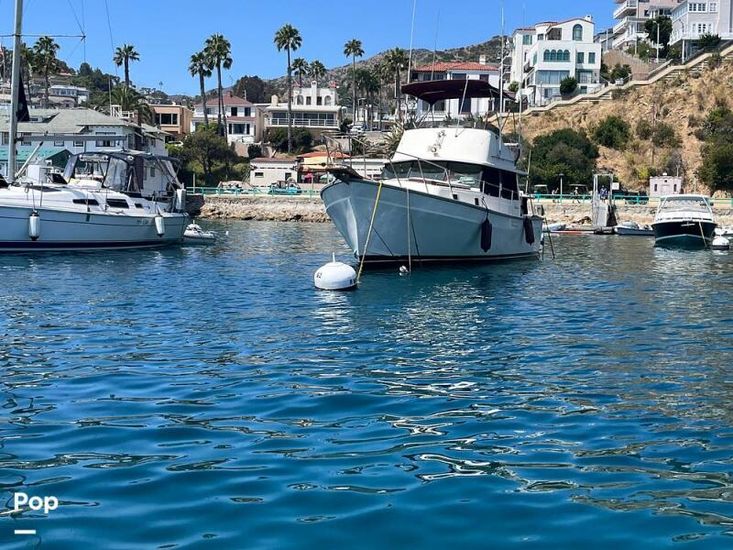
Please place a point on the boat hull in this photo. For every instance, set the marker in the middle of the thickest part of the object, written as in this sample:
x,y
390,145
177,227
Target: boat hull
x,y
68,230
441,230
684,233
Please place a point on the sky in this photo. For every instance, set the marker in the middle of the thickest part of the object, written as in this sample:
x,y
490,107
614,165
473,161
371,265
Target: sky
x,y
167,32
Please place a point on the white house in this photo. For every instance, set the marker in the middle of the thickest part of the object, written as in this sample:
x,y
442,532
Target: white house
x,y
241,118
66,91
661,186
266,171
691,20
457,108
313,107
82,130
547,53
632,15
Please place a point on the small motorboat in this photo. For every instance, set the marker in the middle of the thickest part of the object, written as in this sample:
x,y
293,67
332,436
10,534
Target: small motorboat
x,y
194,234
684,220
726,231
633,229
553,227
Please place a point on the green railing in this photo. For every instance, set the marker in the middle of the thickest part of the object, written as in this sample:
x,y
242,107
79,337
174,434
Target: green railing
x,y
636,200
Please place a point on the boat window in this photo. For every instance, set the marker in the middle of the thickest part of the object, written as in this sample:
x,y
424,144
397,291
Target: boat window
x,y
87,202
500,183
116,174
695,204
117,203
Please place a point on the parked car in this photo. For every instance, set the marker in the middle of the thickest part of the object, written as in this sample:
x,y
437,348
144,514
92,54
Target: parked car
x,y
285,188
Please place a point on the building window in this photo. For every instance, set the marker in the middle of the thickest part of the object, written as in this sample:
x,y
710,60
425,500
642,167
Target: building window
x,y
259,174
327,100
578,33
459,76
319,100
308,100
527,39
78,143
58,143
554,34
166,119
580,57
247,111
105,142
591,58
234,111
299,100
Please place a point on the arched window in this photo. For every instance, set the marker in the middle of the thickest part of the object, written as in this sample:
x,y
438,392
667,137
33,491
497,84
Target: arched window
x,y
299,100
327,100
547,55
566,55
578,33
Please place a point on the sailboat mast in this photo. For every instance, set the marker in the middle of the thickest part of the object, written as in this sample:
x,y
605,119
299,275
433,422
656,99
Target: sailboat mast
x,y
501,76
15,90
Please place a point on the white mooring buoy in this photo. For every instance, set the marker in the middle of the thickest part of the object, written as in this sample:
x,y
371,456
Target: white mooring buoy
x,y
335,276
720,243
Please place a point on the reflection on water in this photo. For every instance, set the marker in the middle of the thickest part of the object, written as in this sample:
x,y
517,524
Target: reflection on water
x,y
210,395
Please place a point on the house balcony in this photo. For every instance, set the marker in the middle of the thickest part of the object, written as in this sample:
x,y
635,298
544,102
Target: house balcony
x,y
627,7
304,123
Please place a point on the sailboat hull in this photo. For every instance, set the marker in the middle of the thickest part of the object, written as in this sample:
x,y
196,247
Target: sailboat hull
x,y
61,230
441,230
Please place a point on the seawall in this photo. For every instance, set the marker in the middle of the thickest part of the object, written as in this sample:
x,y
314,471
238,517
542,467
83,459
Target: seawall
x,y
311,209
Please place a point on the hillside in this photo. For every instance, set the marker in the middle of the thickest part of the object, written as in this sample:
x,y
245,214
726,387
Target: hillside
x,y
682,102
491,49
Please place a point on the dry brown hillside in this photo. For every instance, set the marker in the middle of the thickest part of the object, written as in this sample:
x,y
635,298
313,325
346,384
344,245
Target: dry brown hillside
x,y
682,102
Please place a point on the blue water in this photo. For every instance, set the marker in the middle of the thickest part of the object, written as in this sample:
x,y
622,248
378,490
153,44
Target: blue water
x,y
211,398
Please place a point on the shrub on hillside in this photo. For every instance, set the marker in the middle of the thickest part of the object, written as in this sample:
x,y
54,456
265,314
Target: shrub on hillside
x,y
302,139
566,152
665,135
644,129
708,42
612,132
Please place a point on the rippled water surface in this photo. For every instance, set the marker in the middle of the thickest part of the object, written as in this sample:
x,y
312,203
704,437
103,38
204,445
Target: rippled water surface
x,y
210,397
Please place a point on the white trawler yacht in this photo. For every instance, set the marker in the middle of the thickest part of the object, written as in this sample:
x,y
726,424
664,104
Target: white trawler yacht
x,y
113,200
449,193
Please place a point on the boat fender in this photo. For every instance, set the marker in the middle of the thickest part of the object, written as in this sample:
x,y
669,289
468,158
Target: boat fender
x,y
160,225
486,231
181,200
34,226
528,230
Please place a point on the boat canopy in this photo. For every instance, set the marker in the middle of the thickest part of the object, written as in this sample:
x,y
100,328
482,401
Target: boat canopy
x,y
432,91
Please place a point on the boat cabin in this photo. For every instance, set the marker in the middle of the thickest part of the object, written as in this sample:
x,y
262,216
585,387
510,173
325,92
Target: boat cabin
x,y
136,174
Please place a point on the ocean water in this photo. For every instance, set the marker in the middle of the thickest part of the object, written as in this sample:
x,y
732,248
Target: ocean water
x,y
209,397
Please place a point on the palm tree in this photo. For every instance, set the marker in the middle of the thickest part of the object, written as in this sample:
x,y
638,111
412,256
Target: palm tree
x,y
219,53
44,56
396,60
353,49
288,38
123,56
317,70
130,100
367,82
199,66
300,67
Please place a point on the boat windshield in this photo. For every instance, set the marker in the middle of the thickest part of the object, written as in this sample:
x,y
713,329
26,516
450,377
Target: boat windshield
x,y
88,167
116,177
492,181
693,204
459,172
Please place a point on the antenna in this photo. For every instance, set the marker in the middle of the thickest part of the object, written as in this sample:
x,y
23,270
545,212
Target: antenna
x,y
412,34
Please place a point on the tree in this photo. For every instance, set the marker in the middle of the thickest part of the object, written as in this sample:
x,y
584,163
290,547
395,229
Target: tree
x,y
44,54
219,54
353,48
254,151
568,86
367,82
317,70
612,132
620,72
288,38
199,66
716,170
513,87
132,101
395,61
566,152
708,42
209,149
663,26
300,67
301,139
123,55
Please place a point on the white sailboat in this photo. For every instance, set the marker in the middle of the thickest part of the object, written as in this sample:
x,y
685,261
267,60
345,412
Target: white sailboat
x,y
448,194
125,199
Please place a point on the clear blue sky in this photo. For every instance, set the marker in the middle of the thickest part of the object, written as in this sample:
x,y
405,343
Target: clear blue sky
x,y
167,32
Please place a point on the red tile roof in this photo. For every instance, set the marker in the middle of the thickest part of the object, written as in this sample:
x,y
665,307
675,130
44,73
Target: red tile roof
x,y
315,154
229,100
445,66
